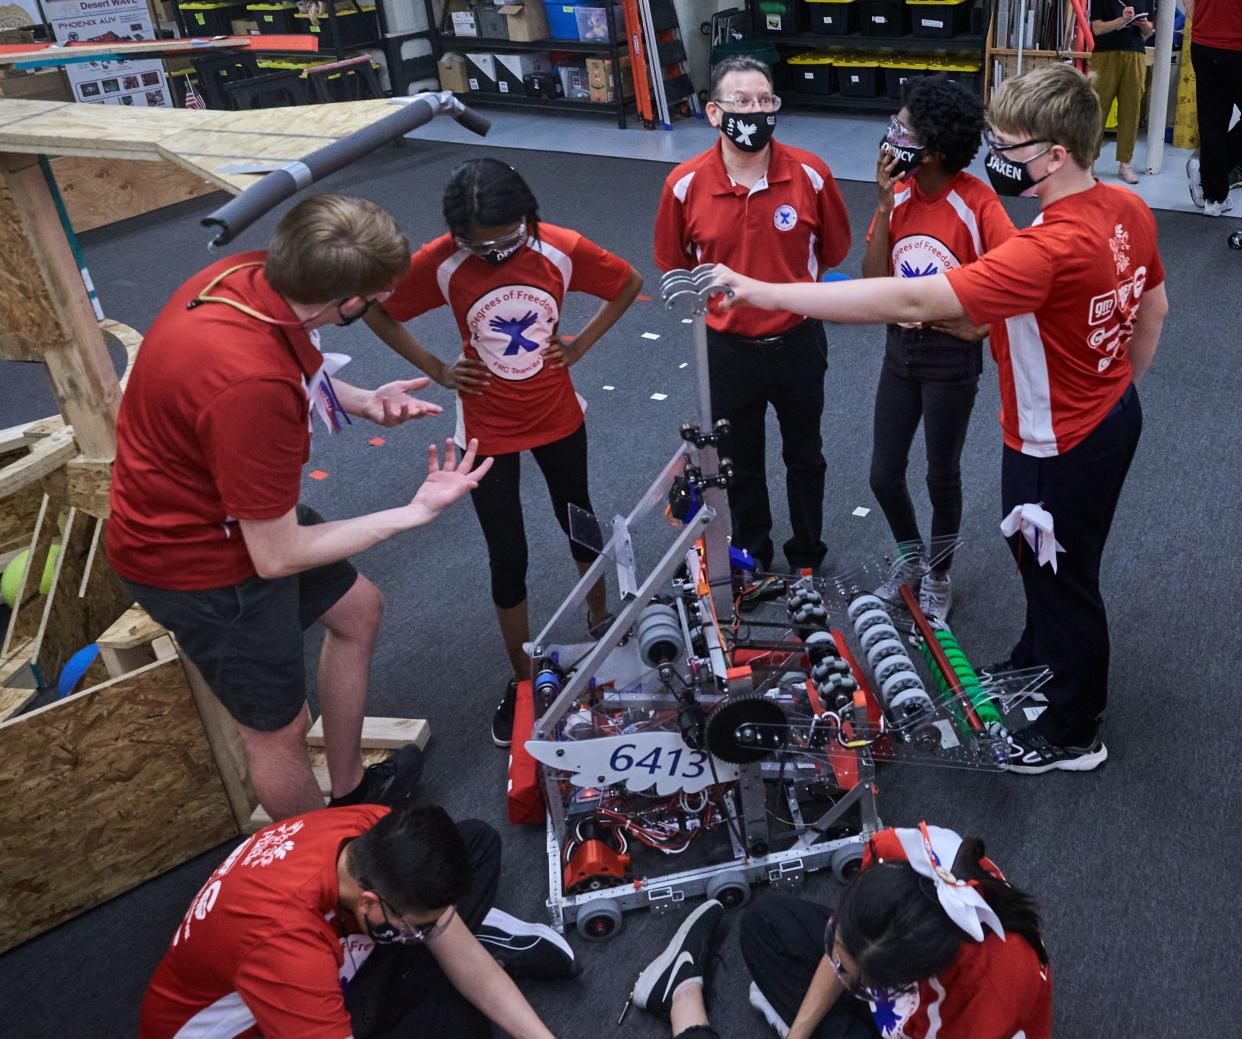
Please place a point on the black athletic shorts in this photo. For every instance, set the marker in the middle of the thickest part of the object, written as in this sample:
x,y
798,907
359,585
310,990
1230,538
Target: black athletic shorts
x,y
246,638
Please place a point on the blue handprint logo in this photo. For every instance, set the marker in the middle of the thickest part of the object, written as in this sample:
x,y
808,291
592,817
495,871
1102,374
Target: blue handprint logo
x,y
514,329
909,270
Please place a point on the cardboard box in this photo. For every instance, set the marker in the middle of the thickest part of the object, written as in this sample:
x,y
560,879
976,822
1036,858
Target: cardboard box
x,y
245,27
511,70
48,85
528,22
452,69
574,80
481,73
459,15
603,95
601,75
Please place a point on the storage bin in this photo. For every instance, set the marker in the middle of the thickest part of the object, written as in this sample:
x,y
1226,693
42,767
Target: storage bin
x,y
812,74
939,19
898,72
562,21
832,17
884,18
859,77
491,24
203,19
354,26
592,23
968,73
275,18
776,17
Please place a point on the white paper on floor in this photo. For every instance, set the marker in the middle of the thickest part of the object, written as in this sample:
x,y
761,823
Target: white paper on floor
x,y
1033,712
651,335
687,321
610,387
659,396
861,511
683,364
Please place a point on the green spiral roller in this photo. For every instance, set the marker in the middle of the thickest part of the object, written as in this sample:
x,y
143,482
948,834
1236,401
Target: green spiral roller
x,y
965,674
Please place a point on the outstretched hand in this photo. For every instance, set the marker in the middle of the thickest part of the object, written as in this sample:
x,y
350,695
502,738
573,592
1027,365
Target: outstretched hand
x,y
391,404
447,483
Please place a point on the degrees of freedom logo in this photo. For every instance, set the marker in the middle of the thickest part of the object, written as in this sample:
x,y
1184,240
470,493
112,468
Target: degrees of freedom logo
x,y
920,255
785,218
508,326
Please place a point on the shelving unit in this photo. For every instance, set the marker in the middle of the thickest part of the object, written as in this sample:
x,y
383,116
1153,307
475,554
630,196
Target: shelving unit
x,y
973,46
613,48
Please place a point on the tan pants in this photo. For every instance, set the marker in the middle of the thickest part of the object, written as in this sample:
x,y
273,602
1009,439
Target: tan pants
x,y
1120,75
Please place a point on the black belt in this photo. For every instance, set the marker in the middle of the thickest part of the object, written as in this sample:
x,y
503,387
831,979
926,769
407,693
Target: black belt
x,y
766,342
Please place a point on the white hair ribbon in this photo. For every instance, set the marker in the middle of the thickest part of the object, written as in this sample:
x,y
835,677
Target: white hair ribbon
x,y
927,850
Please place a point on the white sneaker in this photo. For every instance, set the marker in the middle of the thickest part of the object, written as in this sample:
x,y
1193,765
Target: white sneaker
x,y
1218,208
936,597
909,571
1195,185
760,1003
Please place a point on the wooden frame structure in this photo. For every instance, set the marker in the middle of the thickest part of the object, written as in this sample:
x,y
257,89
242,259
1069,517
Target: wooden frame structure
x,y
143,768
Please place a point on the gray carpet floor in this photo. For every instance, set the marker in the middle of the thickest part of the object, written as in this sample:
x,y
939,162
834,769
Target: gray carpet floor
x,y
1135,865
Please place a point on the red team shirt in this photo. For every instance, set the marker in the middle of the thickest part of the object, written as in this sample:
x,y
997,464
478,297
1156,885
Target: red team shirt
x,y
506,314
213,428
260,951
791,226
1075,278
995,989
934,234
1218,23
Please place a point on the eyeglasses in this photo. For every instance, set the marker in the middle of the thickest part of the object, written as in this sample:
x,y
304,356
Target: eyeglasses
x,y
866,993
505,243
406,935
994,145
356,312
745,103
900,135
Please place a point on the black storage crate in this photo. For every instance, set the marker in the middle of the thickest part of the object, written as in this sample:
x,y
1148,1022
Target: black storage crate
x,y
884,18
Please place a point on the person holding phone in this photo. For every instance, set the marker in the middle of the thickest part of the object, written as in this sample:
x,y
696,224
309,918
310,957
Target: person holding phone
x,y
1120,66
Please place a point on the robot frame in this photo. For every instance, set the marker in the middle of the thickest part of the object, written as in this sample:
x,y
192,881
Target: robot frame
x,y
746,744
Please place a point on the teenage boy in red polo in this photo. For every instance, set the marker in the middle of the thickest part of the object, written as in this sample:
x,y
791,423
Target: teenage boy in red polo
x,y
206,529
1076,303
771,212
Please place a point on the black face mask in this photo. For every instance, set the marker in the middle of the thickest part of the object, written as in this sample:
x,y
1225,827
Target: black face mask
x,y
750,131
907,158
1010,178
498,256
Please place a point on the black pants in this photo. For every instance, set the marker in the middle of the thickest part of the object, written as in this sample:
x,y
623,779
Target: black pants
x,y
1218,87
498,504
782,942
789,375
401,992
930,377
1066,623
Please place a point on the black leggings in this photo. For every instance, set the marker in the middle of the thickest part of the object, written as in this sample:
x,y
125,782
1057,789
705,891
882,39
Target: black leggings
x,y
932,378
498,504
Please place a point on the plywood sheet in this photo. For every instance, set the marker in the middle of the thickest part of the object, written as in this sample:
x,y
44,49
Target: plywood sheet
x,y
98,191
18,514
103,791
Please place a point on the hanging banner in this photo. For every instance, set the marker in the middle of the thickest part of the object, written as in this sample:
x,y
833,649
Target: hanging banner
x,y
140,83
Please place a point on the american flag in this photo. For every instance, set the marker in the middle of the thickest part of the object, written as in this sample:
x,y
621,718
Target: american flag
x,y
192,97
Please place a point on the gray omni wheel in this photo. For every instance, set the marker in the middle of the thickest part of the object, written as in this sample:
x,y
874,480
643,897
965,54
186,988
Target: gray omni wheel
x,y
730,888
871,619
864,603
846,862
599,921
880,632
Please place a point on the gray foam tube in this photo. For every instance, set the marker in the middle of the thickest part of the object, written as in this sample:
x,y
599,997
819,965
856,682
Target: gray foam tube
x,y
232,218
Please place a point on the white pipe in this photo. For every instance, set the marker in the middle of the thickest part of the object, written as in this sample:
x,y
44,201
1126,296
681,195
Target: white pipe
x,y
1021,36
1158,99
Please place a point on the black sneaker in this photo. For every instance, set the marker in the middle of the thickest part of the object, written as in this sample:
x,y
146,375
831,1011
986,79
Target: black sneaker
x,y
527,950
391,782
502,720
1030,753
684,959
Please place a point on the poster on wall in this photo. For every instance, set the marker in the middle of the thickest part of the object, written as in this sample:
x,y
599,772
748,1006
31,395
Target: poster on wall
x,y
139,83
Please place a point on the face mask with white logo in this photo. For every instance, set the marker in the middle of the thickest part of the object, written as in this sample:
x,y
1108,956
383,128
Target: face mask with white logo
x,y
750,131
1010,178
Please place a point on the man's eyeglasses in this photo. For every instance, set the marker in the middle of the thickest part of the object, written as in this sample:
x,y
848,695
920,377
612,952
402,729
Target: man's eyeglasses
x,y
404,934
867,993
745,103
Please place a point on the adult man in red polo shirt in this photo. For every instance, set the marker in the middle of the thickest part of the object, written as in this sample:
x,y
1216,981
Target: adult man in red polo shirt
x,y
771,212
205,528
1076,303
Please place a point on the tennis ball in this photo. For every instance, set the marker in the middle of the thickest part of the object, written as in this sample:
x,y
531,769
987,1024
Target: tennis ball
x,y
11,580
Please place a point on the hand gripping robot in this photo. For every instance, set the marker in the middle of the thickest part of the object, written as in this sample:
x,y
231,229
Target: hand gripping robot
x,y
725,729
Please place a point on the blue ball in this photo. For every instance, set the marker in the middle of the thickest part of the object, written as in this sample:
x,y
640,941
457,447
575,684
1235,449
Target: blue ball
x,y
75,667
835,276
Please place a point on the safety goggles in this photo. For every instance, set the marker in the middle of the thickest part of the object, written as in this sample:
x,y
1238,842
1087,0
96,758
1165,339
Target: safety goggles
x,y
1001,150
404,934
503,246
901,136
866,993
746,103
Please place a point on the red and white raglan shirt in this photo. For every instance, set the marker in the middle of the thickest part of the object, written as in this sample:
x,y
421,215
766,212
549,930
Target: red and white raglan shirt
x,y
213,428
791,226
935,234
506,315
262,950
995,989
1062,297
